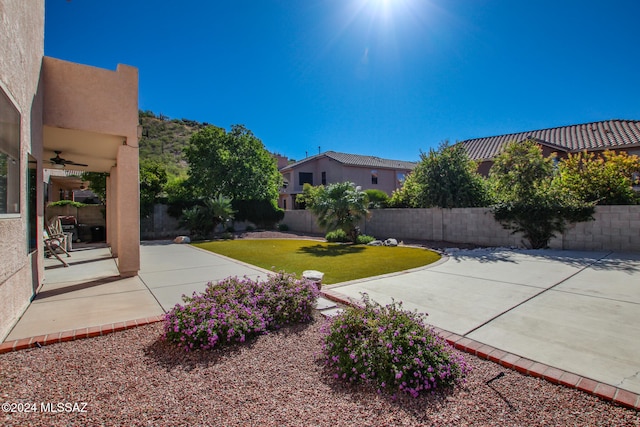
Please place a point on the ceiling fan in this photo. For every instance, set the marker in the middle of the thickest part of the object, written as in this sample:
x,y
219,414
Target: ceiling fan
x,y
59,163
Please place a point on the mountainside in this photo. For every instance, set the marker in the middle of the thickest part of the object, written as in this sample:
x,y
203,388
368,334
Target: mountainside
x,y
163,139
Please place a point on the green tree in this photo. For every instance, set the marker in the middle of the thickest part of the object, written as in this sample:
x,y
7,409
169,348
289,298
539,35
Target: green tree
x,y
153,177
377,198
201,220
97,183
605,179
233,163
407,196
528,202
338,206
447,178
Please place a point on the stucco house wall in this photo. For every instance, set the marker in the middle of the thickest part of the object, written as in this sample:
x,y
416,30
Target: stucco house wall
x,y
21,50
339,171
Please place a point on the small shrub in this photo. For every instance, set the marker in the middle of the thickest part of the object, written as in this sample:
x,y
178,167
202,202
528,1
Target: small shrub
x,y
230,229
363,239
233,309
337,236
68,203
249,228
227,236
391,348
283,227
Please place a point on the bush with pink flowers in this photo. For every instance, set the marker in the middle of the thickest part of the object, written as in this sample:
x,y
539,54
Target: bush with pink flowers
x,y
235,309
391,348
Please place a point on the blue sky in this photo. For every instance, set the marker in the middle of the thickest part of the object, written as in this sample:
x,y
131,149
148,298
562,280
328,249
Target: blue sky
x,y
378,77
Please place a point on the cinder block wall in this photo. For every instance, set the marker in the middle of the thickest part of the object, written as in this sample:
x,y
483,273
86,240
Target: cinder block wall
x,y
615,228
160,225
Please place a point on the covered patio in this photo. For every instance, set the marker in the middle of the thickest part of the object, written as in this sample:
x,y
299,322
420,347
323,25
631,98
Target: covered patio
x,y
90,123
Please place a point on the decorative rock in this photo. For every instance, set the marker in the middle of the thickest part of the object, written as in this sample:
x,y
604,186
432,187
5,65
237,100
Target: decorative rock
x,y
314,276
391,242
182,239
376,243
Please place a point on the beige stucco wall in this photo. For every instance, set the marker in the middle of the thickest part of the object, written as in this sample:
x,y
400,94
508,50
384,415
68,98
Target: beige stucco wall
x,y
21,51
615,228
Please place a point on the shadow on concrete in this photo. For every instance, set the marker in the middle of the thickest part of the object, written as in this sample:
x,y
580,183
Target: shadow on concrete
x,y
612,261
77,287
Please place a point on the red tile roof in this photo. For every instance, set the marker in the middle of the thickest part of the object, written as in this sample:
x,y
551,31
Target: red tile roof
x,y
358,160
588,136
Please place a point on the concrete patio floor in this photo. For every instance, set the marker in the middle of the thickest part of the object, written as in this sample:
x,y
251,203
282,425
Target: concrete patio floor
x,y
575,311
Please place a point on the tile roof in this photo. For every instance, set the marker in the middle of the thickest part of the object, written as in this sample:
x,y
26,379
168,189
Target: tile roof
x,y
357,160
588,136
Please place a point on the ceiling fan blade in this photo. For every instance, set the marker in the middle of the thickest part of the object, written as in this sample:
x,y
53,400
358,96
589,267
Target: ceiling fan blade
x,y
69,162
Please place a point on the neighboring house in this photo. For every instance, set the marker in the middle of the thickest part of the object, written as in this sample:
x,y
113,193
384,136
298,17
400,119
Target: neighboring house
x,y
52,110
330,167
615,135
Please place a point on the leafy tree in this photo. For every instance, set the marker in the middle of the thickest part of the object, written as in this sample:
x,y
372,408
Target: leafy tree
x,y
201,220
377,198
522,179
338,206
153,177
97,183
447,178
605,179
233,163
520,172
408,196
309,195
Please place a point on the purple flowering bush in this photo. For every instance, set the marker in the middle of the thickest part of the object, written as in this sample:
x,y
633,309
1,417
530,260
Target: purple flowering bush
x,y
235,309
285,299
390,348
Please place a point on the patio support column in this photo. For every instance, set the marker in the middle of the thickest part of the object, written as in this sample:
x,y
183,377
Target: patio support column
x,y
112,209
128,208
109,213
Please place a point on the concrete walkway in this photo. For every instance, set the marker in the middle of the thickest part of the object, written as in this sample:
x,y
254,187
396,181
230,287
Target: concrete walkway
x,y
575,311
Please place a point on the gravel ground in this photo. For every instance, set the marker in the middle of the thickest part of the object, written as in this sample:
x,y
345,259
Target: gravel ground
x,y
133,378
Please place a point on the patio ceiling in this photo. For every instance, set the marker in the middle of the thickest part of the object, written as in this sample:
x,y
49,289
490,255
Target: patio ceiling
x,y
98,151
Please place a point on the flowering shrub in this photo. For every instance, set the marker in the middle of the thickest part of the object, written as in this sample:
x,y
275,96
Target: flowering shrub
x,y
391,348
285,299
234,309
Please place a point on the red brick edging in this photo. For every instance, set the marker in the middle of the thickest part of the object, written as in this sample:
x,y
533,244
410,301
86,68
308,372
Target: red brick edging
x,y
523,365
75,334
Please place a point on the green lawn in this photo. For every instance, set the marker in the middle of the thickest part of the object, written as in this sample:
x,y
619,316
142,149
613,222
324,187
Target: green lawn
x,y
340,263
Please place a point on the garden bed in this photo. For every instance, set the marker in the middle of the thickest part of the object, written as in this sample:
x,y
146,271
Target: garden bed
x,y
133,378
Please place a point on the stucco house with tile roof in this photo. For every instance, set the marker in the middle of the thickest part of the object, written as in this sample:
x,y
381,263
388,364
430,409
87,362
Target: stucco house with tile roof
x,y
615,135
368,172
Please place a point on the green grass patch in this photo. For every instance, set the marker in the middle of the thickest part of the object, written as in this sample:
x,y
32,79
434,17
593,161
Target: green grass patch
x,y
339,263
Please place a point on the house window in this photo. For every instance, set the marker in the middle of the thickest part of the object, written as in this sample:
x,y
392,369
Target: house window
x,y
305,178
324,178
32,204
9,157
374,177
400,177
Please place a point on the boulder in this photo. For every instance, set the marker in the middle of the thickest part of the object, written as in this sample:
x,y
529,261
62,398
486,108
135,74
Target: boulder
x,y
376,243
182,239
391,242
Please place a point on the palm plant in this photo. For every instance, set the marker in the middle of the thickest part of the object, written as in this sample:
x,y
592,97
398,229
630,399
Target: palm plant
x,y
201,220
340,206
